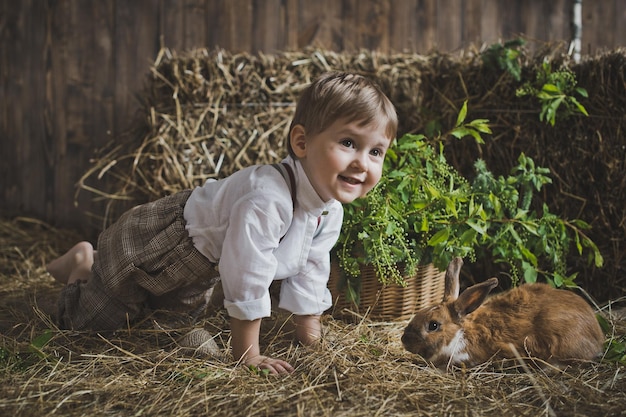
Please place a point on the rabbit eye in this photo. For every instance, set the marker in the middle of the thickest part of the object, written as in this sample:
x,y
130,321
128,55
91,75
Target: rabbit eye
x,y
433,326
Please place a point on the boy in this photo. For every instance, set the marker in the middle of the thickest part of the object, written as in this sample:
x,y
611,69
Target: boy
x,y
260,224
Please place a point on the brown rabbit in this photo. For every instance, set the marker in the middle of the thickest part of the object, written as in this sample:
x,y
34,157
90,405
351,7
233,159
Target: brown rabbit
x,y
537,320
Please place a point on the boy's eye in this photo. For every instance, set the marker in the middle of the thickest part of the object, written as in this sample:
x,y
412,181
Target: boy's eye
x,y
377,152
348,143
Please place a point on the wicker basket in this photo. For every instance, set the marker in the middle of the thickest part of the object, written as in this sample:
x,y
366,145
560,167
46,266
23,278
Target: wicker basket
x,y
388,302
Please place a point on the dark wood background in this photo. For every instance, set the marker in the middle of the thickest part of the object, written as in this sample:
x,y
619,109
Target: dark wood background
x,y
70,69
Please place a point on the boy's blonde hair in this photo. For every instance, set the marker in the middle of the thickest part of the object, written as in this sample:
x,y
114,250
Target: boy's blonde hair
x,y
339,95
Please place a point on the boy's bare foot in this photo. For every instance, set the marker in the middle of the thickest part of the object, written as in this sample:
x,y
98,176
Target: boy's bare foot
x,y
74,265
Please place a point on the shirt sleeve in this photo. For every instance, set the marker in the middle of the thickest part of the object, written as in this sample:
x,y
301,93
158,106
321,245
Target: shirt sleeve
x,y
247,265
307,293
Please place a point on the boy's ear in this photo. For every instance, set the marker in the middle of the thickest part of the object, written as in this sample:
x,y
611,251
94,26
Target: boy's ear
x,y
297,138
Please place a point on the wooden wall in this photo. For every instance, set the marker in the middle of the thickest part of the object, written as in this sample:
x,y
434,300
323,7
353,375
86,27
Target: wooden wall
x,y
70,69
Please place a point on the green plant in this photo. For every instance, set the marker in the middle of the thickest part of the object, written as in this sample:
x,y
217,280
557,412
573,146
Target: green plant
x,y
424,211
615,345
390,228
531,242
555,91
21,359
506,56
258,371
37,344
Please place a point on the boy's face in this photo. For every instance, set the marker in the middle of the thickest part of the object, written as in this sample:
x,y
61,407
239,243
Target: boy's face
x,y
343,162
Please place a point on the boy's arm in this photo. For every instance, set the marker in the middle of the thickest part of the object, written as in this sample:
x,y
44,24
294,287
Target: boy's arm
x,y
308,329
245,342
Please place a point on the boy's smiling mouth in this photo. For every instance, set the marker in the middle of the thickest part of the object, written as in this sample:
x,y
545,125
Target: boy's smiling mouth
x,y
349,180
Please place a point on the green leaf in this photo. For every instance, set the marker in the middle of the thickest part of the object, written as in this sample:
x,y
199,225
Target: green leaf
x,y
531,227
433,192
597,256
478,227
37,344
468,238
481,127
439,237
604,324
41,340
579,106
511,230
476,136
450,206
352,295
462,114
530,273
558,280
461,132
569,281
582,92
530,256
550,88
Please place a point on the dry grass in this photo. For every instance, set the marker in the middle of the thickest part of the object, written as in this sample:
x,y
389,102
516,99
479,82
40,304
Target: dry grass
x,y
361,370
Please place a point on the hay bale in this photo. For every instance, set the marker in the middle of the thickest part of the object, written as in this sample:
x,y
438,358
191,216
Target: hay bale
x,y
586,155
206,114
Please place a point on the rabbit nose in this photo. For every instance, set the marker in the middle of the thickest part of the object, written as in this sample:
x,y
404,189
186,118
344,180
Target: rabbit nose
x,y
408,336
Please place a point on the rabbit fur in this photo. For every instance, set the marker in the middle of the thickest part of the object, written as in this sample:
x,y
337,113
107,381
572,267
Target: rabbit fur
x,y
536,320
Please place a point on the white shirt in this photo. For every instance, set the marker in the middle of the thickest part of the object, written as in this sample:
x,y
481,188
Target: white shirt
x,y
247,224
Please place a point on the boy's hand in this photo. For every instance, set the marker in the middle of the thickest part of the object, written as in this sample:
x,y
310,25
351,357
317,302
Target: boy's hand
x,y
274,366
245,342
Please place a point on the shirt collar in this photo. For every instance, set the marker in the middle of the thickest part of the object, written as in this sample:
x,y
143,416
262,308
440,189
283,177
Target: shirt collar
x,y
306,196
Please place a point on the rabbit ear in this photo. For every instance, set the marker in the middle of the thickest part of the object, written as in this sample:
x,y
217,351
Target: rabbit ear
x,y
452,286
474,296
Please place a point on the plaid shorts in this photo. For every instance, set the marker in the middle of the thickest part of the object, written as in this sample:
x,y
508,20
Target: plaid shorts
x,y
144,260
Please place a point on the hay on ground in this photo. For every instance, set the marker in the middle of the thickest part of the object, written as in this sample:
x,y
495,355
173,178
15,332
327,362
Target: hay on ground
x,y
361,370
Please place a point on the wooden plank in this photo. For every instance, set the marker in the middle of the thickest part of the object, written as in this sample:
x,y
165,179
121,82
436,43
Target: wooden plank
x,y
400,27
599,14
14,60
471,19
374,24
194,24
73,75
620,24
558,14
78,99
35,189
267,26
512,25
350,26
290,10
240,25
532,22
490,22
99,126
426,24
137,44
218,21
449,22
543,20
321,26
308,24
171,25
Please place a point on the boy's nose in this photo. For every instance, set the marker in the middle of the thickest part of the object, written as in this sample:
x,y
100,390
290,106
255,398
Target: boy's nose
x,y
360,162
